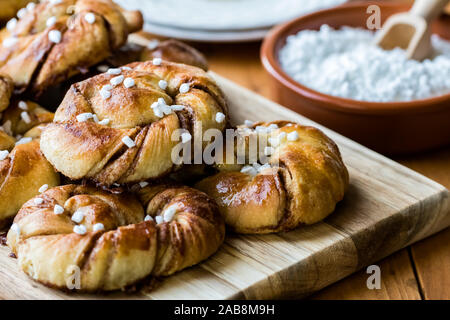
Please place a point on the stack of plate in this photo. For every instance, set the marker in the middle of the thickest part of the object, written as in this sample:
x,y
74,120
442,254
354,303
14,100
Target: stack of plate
x,y
220,20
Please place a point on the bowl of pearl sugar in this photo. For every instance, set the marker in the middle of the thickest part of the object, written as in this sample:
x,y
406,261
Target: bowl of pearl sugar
x,y
325,66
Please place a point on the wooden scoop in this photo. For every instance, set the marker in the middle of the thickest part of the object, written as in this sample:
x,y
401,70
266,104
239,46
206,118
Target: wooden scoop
x,y
411,30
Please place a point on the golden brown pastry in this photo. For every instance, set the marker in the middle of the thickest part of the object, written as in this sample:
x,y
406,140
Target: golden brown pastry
x,y
121,127
22,116
23,167
301,183
9,8
6,90
57,40
23,171
114,240
169,50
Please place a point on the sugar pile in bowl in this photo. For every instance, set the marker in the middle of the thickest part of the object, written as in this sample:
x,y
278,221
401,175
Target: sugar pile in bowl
x,y
346,63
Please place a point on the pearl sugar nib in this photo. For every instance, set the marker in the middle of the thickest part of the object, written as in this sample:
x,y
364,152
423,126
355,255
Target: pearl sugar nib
x,y
162,84
128,142
58,209
80,230
55,36
129,83
90,17
157,61
23,105
78,216
220,117
170,212
185,87
43,188
11,25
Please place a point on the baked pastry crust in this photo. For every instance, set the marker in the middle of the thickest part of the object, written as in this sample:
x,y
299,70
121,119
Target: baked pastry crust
x,y
36,60
14,116
304,182
129,249
97,152
169,50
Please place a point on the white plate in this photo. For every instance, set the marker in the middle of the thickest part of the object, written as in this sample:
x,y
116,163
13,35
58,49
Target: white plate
x,y
215,15
207,36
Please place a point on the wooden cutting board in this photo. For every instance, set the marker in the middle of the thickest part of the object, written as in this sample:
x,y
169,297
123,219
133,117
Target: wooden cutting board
x,y
387,207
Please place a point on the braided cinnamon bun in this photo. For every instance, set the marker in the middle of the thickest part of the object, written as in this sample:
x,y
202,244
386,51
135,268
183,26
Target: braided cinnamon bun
x,y
301,183
6,141
168,50
23,171
114,240
120,127
57,40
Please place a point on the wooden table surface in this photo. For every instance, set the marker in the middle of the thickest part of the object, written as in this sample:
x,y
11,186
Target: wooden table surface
x,y
421,271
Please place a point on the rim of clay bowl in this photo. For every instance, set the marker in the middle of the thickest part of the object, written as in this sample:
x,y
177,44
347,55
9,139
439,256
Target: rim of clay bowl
x,y
277,37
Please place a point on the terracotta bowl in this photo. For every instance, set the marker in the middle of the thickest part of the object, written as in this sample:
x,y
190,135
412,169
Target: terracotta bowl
x,y
390,128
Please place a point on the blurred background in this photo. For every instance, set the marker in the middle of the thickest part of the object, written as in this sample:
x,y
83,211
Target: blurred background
x,y
221,20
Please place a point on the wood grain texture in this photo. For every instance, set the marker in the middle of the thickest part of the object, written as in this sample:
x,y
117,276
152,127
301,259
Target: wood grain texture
x,y
431,257
432,260
387,208
397,283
